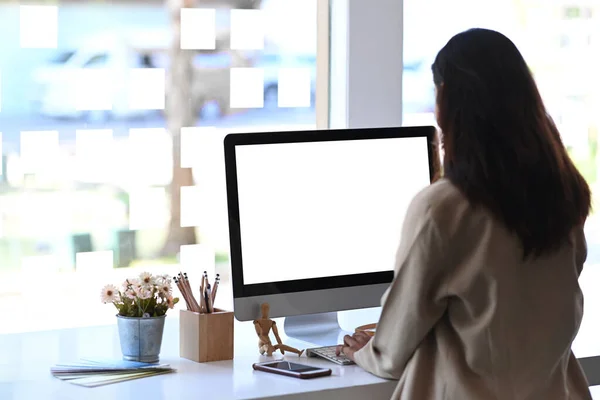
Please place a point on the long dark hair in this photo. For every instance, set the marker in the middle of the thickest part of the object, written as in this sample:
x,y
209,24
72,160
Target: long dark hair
x,y
501,148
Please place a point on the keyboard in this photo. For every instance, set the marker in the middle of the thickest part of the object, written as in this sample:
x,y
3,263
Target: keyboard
x,y
328,353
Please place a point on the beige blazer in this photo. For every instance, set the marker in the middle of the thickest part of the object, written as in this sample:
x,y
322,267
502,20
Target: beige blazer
x,y
466,318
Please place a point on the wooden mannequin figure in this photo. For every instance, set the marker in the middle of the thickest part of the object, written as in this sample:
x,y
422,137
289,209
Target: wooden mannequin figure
x,y
263,327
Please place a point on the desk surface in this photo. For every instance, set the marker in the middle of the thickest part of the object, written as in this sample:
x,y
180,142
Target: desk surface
x,y
25,360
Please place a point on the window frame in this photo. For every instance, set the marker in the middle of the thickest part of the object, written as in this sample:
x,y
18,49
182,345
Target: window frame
x,y
322,90
362,63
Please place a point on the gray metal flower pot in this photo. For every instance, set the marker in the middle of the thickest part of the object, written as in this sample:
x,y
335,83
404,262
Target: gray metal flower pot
x,y
141,338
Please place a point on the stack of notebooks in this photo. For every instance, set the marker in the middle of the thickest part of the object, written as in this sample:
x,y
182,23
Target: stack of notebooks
x,y
96,372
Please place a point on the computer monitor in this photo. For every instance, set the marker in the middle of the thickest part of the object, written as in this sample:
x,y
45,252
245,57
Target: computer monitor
x,y
315,220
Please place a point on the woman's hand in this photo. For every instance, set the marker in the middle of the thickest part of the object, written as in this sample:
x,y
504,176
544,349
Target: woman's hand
x,y
352,344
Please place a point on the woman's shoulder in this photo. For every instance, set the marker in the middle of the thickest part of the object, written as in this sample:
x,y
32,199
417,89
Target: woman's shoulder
x,y
440,197
440,203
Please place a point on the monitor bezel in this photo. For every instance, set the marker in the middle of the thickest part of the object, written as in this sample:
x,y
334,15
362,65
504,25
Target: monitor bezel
x,y
240,290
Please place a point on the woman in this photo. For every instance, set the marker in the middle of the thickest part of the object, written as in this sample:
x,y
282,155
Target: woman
x,y
485,301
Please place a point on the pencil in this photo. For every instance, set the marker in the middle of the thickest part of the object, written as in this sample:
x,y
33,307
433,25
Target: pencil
x,y
188,293
214,291
183,293
192,298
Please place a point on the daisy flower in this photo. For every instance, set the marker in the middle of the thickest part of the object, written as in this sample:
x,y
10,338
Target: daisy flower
x,y
109,294
149,293
147,279
162,279
165,289
144,293
170,302
138,290
135,284
130,294
125,285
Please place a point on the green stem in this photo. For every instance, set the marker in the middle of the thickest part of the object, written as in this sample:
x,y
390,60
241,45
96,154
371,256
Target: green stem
x,y
139,307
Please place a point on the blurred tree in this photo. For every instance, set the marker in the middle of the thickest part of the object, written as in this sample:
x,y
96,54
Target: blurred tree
x,y
181,111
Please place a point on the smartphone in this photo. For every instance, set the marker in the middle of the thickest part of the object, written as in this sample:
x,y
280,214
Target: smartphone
x,y
292,369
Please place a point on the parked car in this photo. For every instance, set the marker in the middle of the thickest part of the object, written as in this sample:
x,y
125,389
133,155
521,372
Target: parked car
x,y
55,89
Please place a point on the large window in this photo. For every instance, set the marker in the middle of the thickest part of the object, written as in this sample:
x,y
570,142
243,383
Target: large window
x,y
112,119
561,42
112,115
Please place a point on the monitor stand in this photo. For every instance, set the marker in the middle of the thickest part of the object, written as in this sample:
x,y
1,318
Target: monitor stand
x,y
317,329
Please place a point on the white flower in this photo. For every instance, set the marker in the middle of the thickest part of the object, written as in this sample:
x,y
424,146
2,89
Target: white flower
x,y
135,283
148,294
162,279
165,289
138,290
125,285
109,294
144,293
130,293
147,279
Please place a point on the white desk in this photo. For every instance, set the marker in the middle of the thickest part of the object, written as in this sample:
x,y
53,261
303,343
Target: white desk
x,y
25,360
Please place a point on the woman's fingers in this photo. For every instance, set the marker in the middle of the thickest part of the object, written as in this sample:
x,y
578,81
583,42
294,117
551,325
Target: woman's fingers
x,y
361,337
350,341
349,352
352,344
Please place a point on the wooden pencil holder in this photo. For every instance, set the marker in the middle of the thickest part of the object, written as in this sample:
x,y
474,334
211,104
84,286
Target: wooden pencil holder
x,y
206,337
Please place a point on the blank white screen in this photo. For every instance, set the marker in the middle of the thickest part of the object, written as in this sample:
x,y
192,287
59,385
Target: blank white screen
x,y
321,209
